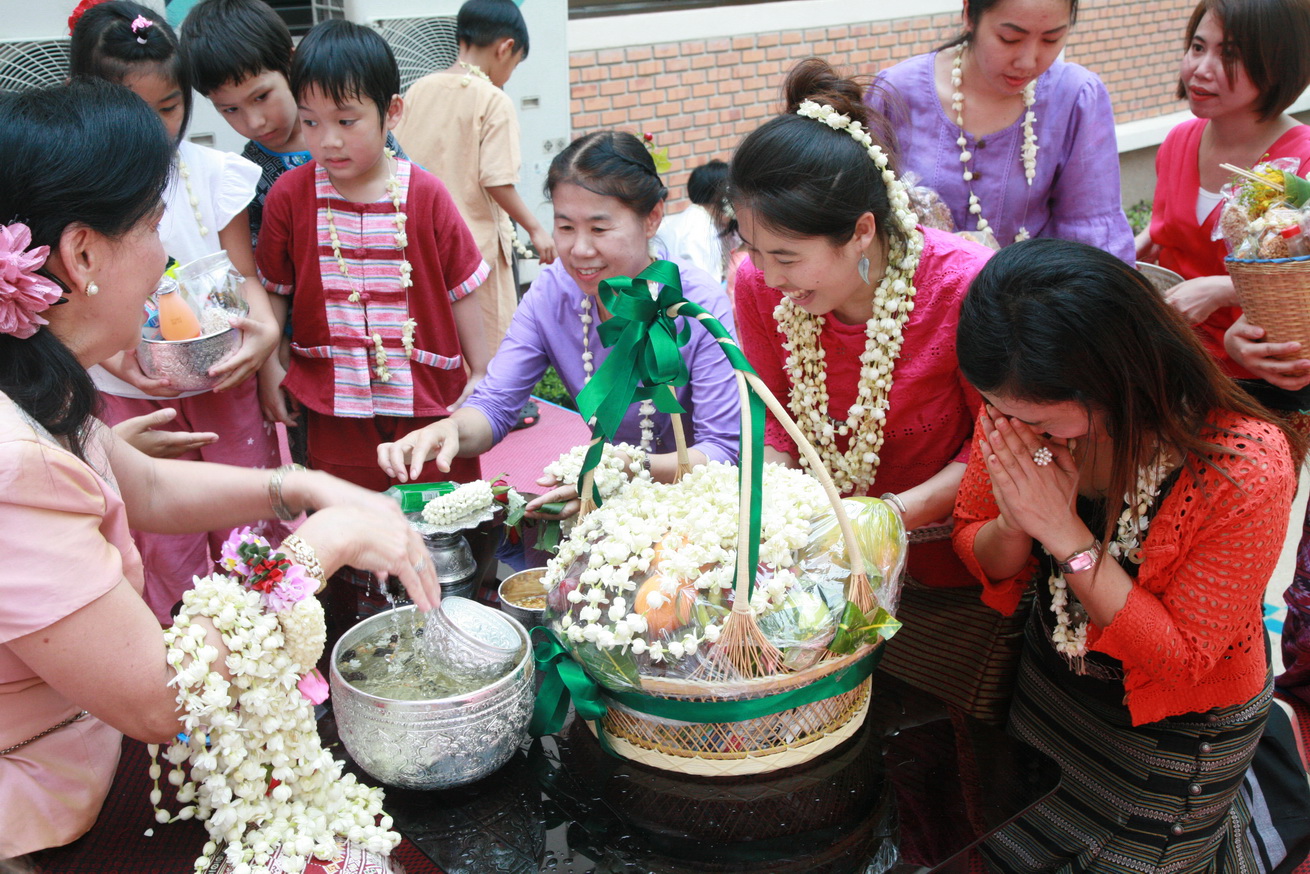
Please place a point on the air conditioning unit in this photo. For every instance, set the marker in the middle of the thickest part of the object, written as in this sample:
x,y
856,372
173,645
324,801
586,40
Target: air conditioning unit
x,y
421,33
421,45
33,63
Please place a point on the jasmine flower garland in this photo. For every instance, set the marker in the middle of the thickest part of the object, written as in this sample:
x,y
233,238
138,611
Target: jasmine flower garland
x,y
1028,153
610,474
1070,639
259,776
467,501
854,470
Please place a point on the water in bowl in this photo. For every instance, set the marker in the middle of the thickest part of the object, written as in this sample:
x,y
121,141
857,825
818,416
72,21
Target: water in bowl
x,y
393,664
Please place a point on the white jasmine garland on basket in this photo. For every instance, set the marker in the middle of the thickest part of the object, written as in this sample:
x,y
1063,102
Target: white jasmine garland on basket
x,y
467,502
260,779
1028,153
610,475
645,411
1069,639
854,470
686,534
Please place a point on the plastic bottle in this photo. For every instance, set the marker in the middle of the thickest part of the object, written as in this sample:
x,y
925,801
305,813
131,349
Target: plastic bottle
x,y
176,319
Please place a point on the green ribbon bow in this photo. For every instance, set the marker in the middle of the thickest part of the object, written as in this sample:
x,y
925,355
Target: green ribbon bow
x,y
646,363
647,343
645,360
562,679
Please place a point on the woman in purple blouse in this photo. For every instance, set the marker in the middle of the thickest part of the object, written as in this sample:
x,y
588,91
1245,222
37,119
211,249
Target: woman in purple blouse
x,y
608,201
1014,140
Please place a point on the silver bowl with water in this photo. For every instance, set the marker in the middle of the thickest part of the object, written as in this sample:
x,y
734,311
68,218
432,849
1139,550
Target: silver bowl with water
x,y
436,743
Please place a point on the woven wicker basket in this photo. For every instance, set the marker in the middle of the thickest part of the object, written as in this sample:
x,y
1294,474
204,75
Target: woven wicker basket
x,y
777,740
1275,294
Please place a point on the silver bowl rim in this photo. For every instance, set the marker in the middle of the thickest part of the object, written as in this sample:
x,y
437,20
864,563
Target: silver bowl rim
x,y
177,344
525,661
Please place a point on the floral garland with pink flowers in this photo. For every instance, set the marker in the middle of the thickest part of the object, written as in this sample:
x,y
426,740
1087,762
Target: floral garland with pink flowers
x,y
270,796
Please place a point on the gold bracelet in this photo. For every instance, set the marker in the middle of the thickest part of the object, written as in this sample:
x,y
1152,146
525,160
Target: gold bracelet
x,y
275,499
305,556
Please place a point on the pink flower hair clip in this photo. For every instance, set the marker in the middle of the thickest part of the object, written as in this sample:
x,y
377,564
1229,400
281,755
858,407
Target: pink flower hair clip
x,y
24,292
140,25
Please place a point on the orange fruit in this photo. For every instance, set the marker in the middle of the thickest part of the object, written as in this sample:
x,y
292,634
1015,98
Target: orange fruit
x,y
673,613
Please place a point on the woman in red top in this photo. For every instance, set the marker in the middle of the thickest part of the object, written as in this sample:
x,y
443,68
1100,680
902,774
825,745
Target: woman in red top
x,y
1146,496
1243,67
847,310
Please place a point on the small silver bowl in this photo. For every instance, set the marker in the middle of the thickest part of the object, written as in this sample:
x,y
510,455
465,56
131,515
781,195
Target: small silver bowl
x,y
437,743
519,587
468,641
185,363
208,283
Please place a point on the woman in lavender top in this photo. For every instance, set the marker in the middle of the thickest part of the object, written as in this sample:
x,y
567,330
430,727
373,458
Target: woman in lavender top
x,y
979,117
608,201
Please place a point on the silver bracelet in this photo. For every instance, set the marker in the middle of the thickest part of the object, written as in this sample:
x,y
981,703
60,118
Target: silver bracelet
x,y
275,499
895,500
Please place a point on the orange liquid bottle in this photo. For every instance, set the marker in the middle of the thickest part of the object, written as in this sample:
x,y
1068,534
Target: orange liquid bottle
x,y
176,319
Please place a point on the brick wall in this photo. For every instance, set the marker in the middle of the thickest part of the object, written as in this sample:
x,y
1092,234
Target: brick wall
x,y
700,97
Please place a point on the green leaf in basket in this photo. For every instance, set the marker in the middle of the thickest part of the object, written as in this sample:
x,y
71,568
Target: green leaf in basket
x,y
850,630
1297,190
857,628
612,668
884,625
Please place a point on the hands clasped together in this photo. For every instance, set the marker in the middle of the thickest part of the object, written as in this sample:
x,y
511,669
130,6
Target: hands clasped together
x,y
1034,478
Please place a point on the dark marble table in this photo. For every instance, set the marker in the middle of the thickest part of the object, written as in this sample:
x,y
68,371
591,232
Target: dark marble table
x,y
913,791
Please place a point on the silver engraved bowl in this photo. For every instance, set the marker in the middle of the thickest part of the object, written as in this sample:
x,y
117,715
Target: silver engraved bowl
x,y
470,642
209,282
438,743
186,363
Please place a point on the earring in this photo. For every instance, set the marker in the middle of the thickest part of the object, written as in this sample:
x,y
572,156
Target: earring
x,y
863,268
92,289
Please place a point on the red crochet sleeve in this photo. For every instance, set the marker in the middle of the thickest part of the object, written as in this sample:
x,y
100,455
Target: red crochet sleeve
x,y
975,506
1207,560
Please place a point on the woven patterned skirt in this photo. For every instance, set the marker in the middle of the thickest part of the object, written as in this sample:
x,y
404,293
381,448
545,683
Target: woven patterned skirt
x,y
1163,798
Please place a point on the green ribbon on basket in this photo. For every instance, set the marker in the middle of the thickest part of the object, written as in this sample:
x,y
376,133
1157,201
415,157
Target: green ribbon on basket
x,y
646,363
645,360
563,677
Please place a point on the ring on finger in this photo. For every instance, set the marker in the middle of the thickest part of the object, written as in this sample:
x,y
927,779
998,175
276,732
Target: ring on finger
x,y
1042,457
420,564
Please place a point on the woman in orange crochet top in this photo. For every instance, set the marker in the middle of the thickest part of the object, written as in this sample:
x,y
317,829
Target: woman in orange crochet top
x,y
1117,470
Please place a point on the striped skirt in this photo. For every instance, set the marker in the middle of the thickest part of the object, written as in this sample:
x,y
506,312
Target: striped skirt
x,y
1163,798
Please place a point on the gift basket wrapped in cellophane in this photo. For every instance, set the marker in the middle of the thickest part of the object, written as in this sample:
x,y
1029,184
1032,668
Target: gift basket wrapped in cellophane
x,y
1265,222
725,623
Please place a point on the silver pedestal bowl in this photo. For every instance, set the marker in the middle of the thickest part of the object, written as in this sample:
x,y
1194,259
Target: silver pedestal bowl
x,y
438,743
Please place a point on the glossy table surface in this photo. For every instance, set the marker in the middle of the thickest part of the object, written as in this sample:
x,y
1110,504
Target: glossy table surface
x,y
917,787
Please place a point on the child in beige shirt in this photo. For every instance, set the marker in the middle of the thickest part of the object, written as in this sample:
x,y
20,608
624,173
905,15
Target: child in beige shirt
x,y
460,125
